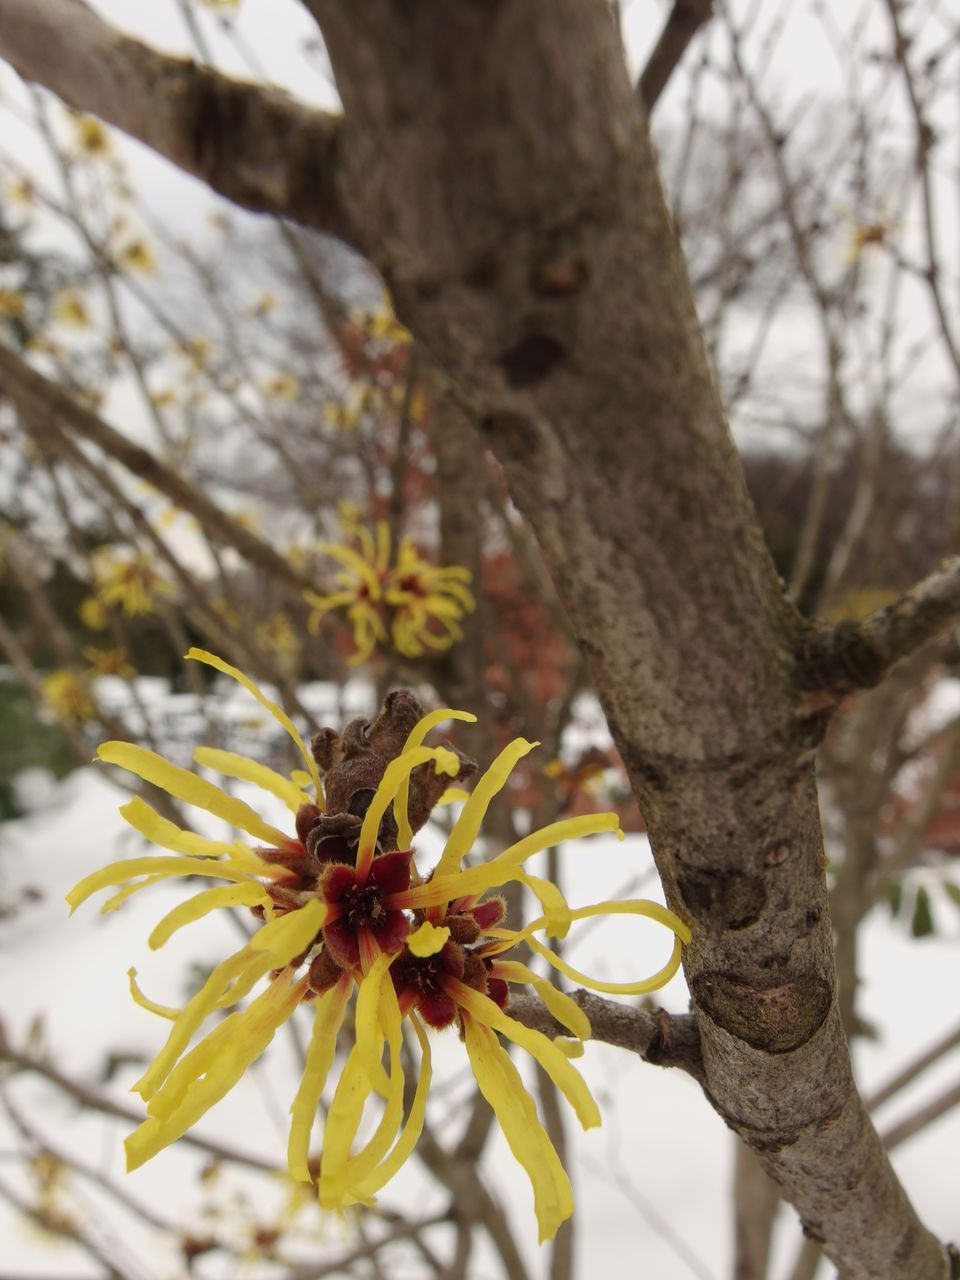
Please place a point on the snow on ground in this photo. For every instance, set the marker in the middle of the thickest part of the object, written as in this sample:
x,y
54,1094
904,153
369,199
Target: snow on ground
x,y
654,1180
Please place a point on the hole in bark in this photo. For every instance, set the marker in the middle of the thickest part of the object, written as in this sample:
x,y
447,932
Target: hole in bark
x,y
532,360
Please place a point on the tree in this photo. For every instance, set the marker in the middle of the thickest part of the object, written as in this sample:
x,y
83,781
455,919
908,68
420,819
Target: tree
x,y
493,164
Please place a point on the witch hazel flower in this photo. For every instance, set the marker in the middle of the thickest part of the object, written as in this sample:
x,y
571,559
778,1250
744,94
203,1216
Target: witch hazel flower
x,y
347,916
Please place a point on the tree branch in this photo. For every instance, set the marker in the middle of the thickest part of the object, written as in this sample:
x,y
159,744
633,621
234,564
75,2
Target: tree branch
x,y
665,1039
51,410
915,1068
254,145
857,655
684,21
95,1101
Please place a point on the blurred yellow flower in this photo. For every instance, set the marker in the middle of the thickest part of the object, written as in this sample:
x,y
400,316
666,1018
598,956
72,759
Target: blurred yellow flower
x,y
278,635
109,662
264,303
380,324
135,255
12,303
196,350
70,309
129,580
281,386
91,137
406,602
68,696
346,413
22,191
93,613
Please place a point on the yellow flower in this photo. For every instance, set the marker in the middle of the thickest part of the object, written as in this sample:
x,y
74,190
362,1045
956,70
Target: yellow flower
x,y
12,303
381,325
68,696
93,614
22,191
428,952
70,309
128,580
92,138
109,662
135,255
345,414
406,602
264,303
196,350
281,386
278,635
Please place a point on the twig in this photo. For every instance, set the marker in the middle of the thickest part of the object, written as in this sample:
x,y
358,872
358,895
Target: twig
x,y
685,20
924,1116
99,1102
857,655
914,1069
666,1039
41,400
369,1249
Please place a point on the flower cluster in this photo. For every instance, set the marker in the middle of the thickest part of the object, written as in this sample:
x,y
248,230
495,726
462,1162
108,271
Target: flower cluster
x,y
403,601
347,916
124,580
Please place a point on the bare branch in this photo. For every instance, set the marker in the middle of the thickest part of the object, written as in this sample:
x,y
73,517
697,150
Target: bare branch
x,y
49,409
915,1068
95,1101
254,145
666,1039
857,655
685,20
924,1116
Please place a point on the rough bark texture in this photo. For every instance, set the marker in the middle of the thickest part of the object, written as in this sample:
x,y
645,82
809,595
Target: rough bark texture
x,y
494,164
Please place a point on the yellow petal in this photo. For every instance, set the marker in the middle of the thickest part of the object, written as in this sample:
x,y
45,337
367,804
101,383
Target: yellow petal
x,y
188,787
213,1067
195,908
331,1006
454,795
567,1079
499,870
464,833
161,831
343,1121
415,739
368,1027
428,939
565,1010
271,947
161,1010
339,1185
364,1189
211,660
116,900
355,562
653,983
444,761
500,1083
556,911
155,867
232,765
